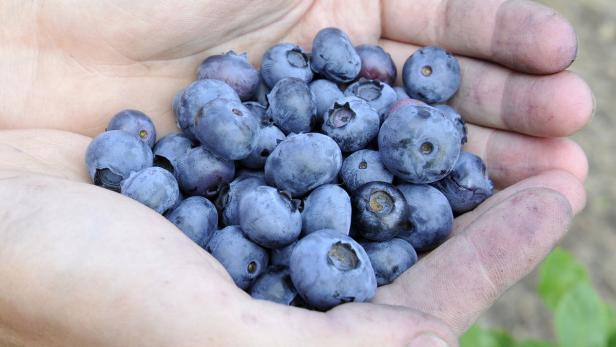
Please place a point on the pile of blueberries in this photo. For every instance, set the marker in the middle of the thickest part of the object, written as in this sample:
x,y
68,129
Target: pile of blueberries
x,y
313,180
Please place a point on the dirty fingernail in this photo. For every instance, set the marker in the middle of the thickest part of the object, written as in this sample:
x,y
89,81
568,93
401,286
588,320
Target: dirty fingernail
x,y
428,340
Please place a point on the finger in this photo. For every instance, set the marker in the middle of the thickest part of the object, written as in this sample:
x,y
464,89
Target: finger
x,y
520,34
511,157
348,325
464,276
492,96
47,152
561,181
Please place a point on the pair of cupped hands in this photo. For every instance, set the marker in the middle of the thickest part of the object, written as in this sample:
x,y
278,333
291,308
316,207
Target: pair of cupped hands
x,y
82,266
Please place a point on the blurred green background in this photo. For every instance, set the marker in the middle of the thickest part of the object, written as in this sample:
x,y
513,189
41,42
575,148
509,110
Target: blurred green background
x,y
592,238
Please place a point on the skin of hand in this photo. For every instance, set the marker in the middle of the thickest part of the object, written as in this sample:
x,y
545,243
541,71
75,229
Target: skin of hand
x,y
82,266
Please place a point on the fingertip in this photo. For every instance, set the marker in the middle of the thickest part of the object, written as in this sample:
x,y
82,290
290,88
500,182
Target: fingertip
x,y
571,157
574,106
568,185
547,106
559,44
534,38
553,203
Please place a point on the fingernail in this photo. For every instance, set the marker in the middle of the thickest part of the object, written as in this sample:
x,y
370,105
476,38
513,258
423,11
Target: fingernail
x,y
428,340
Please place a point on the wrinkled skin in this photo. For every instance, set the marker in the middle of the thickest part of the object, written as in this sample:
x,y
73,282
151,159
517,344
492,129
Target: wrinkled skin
x,y
111,62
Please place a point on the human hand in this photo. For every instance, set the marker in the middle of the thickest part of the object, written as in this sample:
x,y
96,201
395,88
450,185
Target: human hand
x,y
505,106
84,266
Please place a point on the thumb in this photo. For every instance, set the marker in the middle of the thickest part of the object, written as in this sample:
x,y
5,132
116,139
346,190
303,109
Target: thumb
x,y
353,324
381,325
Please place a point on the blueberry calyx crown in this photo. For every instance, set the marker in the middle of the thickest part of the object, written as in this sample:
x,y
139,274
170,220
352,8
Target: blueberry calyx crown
x,y
343,257
368,90
297,58
341,115
380,202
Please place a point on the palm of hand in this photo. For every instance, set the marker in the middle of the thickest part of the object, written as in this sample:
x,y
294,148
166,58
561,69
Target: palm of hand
x,y
111,57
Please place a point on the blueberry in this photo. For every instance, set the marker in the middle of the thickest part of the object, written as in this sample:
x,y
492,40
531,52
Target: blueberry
x,y
227,129
325,94
285,60
188,103
136,123
274,285
352,123
154,187
169,149
243,172
379,95
113,155
261,93
380,212
432,75
327,207
362,167
401,103
376,64
269,217
179,201
200,172
267,139
292,106
329,268
390,259
196,217
259,112
334,56
468,185
231,195
419,144
233,69
303,162
401,93
430,218
455,117
243,259
281,256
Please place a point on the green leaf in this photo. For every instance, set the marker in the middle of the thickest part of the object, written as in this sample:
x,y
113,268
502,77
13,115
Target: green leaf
x,y
580,318
611,313
533,343
559,273
478,337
